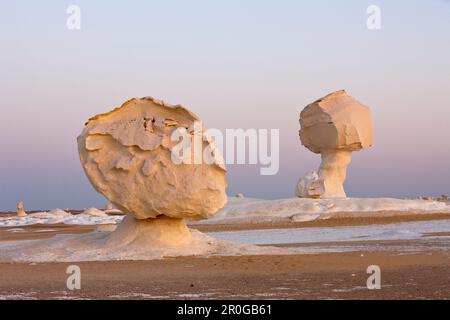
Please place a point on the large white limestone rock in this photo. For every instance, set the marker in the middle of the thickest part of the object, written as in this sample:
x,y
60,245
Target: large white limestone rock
x,y
334,126
127,156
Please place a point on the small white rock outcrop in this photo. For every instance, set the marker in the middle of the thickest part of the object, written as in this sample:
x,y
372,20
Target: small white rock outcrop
x,y
20,210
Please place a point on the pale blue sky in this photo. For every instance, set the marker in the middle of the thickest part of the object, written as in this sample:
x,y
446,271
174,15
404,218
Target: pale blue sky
x,y
237,64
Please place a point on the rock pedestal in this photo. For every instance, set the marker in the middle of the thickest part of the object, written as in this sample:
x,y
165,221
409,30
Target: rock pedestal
x,y
131,156
333,126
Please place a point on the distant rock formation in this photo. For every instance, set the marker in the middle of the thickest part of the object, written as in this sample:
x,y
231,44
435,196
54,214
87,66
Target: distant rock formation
x,y
20,210
94,212
333,126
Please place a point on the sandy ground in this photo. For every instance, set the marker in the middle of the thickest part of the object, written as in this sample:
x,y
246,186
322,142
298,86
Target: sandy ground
x,y
322,276
416,271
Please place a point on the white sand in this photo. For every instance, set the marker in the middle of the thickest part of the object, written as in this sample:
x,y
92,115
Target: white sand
x,y
57,216
250,210
131,241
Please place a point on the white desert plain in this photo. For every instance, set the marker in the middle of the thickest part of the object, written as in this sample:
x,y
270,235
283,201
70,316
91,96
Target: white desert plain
x,y
170,231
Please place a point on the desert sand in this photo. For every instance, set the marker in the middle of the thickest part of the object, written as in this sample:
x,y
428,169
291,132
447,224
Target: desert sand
x,y
411,269
322,276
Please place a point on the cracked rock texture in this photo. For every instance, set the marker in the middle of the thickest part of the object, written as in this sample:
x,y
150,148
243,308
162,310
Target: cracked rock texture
x,y
126,154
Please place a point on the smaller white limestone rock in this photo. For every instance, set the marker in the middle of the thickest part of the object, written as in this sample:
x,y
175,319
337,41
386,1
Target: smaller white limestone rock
x,y
20,210
94,212
58,212
310,186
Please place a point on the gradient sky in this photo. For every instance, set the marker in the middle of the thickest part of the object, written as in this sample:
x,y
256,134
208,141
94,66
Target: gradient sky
x,y
237,64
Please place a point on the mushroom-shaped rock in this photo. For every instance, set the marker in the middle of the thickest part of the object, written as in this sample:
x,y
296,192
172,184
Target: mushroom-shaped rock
x,y
20,210
334,126
129,156
154,162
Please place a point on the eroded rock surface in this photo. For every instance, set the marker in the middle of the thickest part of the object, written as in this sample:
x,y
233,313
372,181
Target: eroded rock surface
x,y
126,155
333,126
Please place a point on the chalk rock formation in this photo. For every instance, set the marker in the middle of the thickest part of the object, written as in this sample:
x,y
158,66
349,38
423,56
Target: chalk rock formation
x,y
127,156
334,126
58,212
161,232
20,210
310,186
94,212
